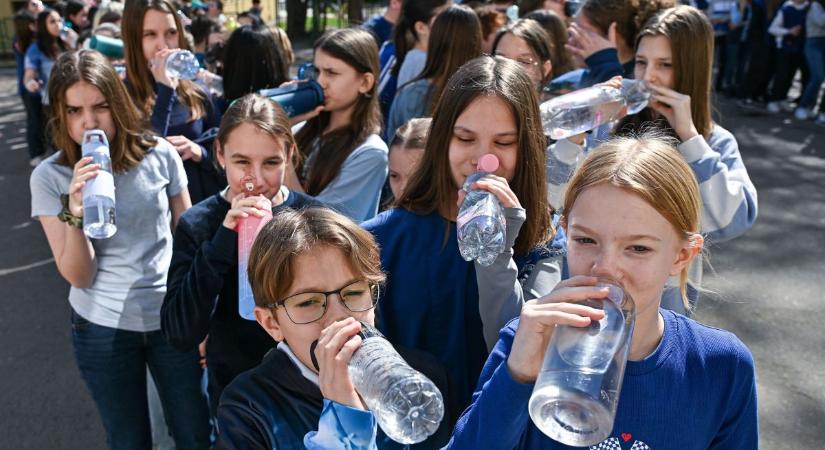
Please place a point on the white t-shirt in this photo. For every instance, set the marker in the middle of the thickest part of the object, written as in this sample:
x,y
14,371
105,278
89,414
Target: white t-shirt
x,y
128,288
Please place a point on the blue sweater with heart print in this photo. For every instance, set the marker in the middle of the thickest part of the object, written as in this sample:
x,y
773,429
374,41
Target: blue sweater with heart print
x,y
696,391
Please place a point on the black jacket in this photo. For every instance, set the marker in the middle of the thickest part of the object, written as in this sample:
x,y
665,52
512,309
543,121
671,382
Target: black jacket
x,y
202,294
273,406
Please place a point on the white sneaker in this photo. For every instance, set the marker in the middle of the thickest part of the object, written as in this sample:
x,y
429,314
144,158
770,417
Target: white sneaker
x,y
803,114
774,107
35,161
820,120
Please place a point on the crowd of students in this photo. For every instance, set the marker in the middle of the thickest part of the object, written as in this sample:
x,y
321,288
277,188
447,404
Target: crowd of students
x,y
412,100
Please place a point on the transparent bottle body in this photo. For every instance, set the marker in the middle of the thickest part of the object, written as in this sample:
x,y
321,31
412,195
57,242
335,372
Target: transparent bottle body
x,y
480,225
182,64
248,229
589,108
577,391
99,192
406,404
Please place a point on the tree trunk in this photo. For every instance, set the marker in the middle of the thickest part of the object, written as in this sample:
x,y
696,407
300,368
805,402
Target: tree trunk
x,y
356,12
296,17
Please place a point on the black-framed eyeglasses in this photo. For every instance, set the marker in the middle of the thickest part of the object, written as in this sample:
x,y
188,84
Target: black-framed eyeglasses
x,y
307,307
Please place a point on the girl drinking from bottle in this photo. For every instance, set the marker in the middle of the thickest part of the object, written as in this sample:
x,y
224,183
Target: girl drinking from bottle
x,y
179,110
674,54
315,275
343,159
117,284
650,195
436,301
202,298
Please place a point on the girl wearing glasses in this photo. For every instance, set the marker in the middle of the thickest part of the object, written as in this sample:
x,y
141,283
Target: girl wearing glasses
x,y
178,109
436,301
527,43
315,275
202,296
418,97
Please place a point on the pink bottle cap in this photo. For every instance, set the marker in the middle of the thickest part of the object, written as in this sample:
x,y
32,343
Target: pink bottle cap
x,y
487,163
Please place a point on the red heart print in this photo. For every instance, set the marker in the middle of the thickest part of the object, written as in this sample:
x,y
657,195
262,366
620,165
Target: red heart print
x,y
627,436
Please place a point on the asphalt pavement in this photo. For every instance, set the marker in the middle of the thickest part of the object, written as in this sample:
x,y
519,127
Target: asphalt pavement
x,y
765,286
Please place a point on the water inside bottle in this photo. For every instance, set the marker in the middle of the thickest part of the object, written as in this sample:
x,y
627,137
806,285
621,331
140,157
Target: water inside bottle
x,y
636,94
569,409
414,411
99,217
565,120
182,64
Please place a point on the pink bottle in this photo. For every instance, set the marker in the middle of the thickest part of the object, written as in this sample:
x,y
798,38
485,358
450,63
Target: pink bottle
x,y
248,229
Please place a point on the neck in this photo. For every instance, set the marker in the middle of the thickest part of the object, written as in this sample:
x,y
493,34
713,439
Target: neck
x,y
391,16
650,327
625,54
339,119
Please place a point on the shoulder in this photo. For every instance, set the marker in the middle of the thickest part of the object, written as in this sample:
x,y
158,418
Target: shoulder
x,y
372,144
721,140
390,219
298,200
49,172
205,208
33,50
714,348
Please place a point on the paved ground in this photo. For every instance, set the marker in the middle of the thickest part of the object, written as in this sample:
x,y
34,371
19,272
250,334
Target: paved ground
x,y
766,288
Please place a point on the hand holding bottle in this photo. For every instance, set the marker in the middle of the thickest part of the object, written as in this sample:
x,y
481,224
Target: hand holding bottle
x,y
158,67
333,353
243,207
539,317
675,107
495,185
83,171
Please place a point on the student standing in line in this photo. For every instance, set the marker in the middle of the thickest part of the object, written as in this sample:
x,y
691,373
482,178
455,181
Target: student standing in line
x,y
178,109
118,283
435,300
202,297
343,160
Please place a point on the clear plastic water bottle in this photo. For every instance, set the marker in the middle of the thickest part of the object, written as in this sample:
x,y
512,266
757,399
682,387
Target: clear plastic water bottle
x,y
586,109
211,82
577,391
406,404
99,192
248,229
182,64
561,163
480,223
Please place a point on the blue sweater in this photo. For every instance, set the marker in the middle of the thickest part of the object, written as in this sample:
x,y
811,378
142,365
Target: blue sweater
x,y
696,391
431,297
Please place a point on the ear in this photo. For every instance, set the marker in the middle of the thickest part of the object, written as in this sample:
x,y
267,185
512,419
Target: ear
x,y
422,30
546,69
267,320
367,82
687,252
220,153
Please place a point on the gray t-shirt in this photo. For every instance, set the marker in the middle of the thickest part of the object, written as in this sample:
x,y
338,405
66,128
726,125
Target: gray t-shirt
x,y
130,282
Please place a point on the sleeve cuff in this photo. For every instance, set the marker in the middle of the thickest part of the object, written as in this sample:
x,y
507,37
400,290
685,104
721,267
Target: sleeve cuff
x,y
515,218
694,148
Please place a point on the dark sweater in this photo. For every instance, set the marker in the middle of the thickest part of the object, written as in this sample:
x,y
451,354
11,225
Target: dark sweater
x,y
202,293
171,118
604,65
273,406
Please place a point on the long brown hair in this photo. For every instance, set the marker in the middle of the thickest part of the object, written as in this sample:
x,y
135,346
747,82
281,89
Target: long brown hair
x,y
357,49
131,142
445,53
141,82
404,35
431,188
691,45
556,30
651,168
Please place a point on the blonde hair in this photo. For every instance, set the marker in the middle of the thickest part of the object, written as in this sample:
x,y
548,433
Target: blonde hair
x,y
291,233
650,167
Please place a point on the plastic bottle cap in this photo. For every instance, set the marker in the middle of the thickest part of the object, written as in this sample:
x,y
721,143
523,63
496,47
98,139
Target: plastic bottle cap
x,y
487,163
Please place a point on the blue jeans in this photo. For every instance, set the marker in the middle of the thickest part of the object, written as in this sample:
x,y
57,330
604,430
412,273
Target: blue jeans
x,y
113,364
815,55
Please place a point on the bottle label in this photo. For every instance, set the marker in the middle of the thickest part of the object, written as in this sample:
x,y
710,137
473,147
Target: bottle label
x,y
102,185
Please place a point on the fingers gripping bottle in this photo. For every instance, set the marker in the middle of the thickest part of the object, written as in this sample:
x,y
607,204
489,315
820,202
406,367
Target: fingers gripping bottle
x,y
406,404
99,192
248,229
480,223
586,109
577,391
